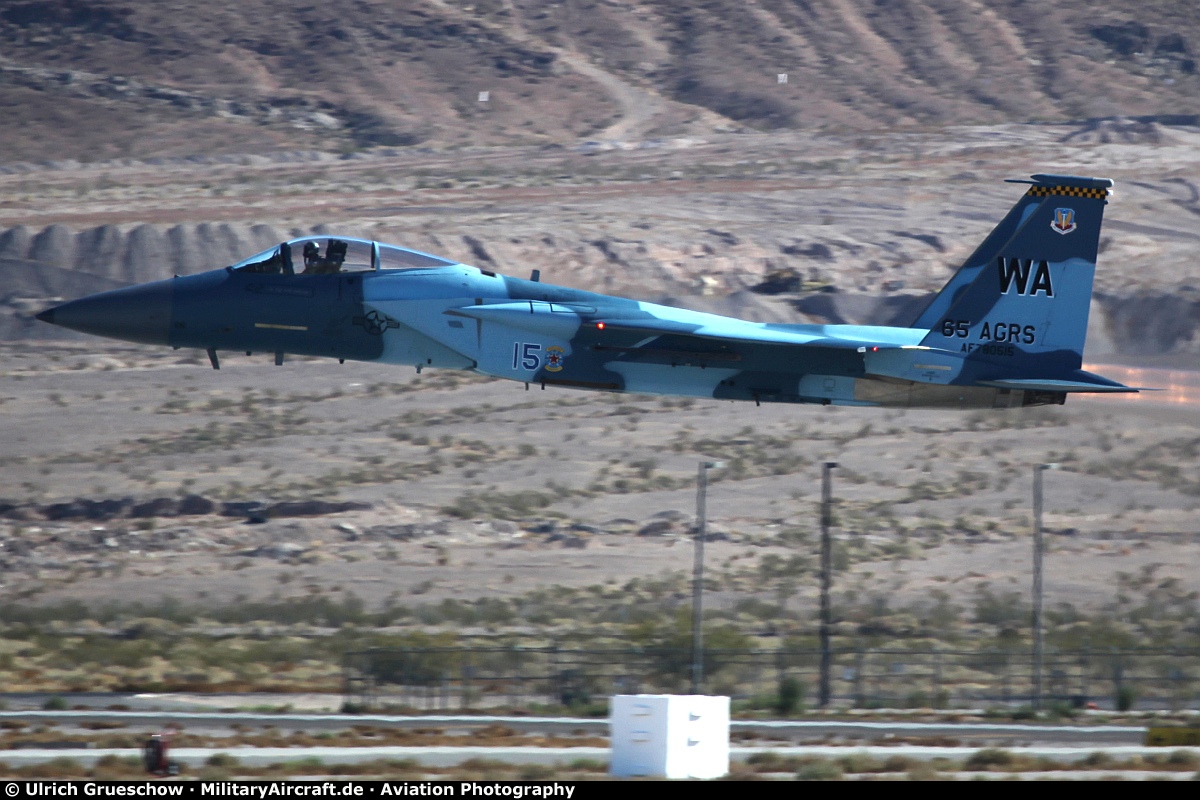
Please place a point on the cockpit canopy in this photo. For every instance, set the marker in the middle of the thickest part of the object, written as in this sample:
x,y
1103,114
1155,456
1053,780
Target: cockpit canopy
x,y
326,255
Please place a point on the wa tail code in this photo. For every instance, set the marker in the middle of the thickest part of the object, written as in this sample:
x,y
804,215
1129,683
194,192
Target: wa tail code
x,y
1017,270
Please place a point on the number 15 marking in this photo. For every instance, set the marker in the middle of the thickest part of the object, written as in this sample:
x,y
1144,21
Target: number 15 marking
x,y
526,355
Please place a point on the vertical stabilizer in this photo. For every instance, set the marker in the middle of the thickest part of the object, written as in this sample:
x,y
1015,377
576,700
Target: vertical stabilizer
x,y
1023,302
983,255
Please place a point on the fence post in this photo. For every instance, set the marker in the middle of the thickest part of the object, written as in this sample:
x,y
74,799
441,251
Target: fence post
x,y
859,665
826,580
779,676
555,677
937,678
1085,664
512,682
1118,676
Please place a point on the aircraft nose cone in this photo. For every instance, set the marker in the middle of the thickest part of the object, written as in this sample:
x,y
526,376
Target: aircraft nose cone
x,y
136,314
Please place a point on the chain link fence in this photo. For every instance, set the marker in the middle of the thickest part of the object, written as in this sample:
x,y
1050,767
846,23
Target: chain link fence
x,y
553,677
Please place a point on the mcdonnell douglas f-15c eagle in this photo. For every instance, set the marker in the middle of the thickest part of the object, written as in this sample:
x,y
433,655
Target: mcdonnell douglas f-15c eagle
x,y
1006,331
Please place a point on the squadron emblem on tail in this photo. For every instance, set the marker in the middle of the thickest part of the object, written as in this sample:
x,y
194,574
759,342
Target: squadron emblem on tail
x,y
1064,220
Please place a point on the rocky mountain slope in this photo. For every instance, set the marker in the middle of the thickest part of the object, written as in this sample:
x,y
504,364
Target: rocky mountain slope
x,y
96,79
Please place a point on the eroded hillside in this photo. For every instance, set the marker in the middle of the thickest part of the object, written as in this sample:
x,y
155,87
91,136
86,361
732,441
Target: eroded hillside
x,y
94,79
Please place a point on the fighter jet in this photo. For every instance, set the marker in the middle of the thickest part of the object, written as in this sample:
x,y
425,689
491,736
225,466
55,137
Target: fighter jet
x,y
1007,330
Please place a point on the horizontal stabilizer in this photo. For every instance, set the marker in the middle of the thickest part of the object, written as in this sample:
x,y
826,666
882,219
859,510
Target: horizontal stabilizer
x,y
1050,385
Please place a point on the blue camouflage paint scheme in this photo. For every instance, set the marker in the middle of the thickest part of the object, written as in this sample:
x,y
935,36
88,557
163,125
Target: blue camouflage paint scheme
x,y
1006,331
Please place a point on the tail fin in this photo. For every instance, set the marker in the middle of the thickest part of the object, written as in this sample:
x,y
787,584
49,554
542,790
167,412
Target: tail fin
x,y
1022,299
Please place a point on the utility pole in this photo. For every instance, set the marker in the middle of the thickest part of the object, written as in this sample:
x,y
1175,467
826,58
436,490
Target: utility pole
x,y
698,575
826,578
1038,550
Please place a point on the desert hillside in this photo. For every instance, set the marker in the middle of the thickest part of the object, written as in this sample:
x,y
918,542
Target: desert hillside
x,y
94,79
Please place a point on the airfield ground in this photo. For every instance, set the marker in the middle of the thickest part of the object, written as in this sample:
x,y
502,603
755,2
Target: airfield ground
x,y
534,515
479,488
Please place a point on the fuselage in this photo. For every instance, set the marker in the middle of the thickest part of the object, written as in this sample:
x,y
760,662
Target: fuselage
x,y
456,316
1007,330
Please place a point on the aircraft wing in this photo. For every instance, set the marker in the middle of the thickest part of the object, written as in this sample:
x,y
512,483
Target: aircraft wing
x,y
565,320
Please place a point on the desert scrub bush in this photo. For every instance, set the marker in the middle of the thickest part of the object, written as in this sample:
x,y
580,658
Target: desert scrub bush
x,y
1127,696
54,768
791,696
924,490
747,455
857,763
114,767
502,505
772,567
771,761
668,646
484,611
634,477
536,772
820,770
757,609
1000,609
795,537
1165,463
216,436
988,759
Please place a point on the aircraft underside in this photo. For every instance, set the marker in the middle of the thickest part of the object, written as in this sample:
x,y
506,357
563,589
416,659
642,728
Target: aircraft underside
x,y
732,384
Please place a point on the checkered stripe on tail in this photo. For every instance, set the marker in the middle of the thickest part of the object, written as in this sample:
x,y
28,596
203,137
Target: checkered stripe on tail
x,y
1068,191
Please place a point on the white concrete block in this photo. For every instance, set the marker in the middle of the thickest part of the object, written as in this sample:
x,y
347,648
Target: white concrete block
x,y
671,736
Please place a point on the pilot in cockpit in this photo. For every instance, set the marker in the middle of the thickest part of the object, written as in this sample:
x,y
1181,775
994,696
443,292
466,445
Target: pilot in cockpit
x,y
312,257
335,255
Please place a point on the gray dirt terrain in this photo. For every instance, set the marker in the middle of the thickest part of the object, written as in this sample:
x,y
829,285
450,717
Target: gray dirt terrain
x,y
471,488
131,474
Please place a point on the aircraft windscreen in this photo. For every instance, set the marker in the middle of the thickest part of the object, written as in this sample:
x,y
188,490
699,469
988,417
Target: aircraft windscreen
x,y
391,257
325,255
266,261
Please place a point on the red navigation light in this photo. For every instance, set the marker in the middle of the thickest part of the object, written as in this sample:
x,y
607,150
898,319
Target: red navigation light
x,y
874,349
599,326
